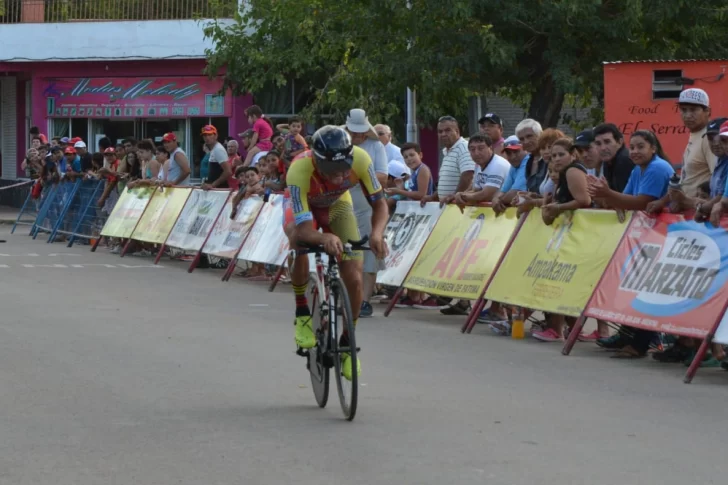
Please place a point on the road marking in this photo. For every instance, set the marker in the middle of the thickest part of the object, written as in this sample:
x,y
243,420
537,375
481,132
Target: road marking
x,y
36,255
258,304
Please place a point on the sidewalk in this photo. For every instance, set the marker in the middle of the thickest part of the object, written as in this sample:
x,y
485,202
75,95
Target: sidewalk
x,y
8,214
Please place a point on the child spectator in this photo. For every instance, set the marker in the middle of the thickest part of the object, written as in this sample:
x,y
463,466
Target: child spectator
x,y
253,185
274,168
295,143
262,133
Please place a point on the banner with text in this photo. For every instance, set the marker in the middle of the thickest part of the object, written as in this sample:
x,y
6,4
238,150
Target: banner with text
x,y
161,214
406,233
197,218
555,268
267,243
228,234
669,275
126,213
462,252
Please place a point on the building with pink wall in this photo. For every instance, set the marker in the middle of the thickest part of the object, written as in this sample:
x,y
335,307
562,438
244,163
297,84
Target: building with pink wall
x,y
121,99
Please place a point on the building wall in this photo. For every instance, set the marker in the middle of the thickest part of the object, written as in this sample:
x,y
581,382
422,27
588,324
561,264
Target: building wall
x,y
630,104
152,39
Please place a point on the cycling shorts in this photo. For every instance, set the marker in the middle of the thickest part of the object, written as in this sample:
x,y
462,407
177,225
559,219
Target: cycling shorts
x,y
338,219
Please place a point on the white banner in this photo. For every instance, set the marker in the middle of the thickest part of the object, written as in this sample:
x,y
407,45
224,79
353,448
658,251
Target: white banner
x,y
197,218
267,242
406,233
721,335
227,235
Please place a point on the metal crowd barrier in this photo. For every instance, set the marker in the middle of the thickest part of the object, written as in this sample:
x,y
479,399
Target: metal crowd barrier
x,y
30,209
81,217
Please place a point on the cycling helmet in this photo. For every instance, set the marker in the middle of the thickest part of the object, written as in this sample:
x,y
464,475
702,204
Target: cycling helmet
x,y
332,149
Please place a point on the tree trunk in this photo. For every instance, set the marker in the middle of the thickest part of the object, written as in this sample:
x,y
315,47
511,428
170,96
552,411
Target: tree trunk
x,y
546,101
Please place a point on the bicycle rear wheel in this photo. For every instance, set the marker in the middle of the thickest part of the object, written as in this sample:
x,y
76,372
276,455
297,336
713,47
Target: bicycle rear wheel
x,y
317,356
348,390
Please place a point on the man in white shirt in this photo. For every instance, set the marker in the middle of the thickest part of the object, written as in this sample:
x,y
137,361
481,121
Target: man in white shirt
x,y
491,171
456,170
385,136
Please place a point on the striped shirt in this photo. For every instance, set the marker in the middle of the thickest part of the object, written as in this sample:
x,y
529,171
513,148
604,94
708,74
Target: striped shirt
x,y
456,161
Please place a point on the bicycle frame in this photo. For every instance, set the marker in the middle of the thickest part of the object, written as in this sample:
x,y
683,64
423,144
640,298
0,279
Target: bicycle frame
x,y
327,305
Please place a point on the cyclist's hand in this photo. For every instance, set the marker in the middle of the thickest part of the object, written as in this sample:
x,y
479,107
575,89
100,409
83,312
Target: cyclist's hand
x,y
333,245
378,246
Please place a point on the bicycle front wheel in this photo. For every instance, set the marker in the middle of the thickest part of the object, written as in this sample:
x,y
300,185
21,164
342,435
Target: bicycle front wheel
x,y
348,390
318,357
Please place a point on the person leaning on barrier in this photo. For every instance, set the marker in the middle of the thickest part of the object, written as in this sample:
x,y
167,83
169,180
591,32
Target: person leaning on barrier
x,y
491,171
648,181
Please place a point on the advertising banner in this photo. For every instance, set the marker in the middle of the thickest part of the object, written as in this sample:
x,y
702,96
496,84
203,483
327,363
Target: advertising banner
x,y
462,252
668,275
721,335
556,268
227,235
406,233
134,97
267,243
161,214
126,213
197,219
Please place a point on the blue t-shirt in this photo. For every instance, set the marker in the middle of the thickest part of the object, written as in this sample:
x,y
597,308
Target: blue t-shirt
x,y
719,179
516,178
76,164
652,181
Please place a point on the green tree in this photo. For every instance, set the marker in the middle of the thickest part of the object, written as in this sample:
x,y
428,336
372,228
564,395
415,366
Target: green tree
x,y
365,53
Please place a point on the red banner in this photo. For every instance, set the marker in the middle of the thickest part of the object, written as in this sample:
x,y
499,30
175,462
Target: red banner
x,y
669,274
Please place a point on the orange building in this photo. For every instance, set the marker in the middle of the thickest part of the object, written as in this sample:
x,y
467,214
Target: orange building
x,y
641,95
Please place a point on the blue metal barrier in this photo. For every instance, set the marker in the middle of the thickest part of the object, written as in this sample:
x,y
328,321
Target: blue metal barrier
x,y
68,205
48,200
29,210
84,216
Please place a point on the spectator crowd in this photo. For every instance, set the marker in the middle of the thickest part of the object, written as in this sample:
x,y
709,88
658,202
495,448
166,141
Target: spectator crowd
x,y
533,167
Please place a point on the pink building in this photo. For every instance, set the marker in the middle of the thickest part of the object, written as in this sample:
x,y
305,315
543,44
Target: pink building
x,y
80,75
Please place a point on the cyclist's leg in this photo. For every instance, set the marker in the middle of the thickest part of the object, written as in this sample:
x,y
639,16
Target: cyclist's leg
x,y
299,273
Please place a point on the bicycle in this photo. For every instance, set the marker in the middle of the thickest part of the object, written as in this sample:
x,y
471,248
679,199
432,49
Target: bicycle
x,y
329,303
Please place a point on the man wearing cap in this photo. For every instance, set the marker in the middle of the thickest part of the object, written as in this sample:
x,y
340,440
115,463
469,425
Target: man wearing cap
x,y
698,161
178,171
73,162
718,146
491,125
83,155
220,170
365,137
588,154
384,133
63,142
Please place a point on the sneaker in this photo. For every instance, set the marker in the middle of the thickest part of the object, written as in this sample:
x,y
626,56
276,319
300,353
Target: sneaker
x,y
427,304
305,337
590,337
488,317
500,328
616,341
548,335
539,326
366,310
346,366
462,307
115,250
144,253
405,302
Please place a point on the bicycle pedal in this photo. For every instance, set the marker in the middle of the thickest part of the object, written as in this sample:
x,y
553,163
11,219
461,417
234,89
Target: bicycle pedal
x,y
302,352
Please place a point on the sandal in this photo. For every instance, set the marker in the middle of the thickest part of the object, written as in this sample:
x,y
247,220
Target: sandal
x,y
628,352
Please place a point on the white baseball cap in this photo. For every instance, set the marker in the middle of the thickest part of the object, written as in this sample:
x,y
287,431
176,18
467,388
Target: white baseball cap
x,y
79,144
397,169
694,96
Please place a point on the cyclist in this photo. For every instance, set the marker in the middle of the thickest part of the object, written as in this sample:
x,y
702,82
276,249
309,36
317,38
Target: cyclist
x,y
318,194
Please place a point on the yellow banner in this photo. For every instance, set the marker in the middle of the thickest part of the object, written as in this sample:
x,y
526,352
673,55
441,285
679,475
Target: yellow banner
x,y
161,214
126,213
556,268
462,252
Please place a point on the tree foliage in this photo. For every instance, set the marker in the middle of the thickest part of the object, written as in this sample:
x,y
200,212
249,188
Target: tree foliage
x,y
365,53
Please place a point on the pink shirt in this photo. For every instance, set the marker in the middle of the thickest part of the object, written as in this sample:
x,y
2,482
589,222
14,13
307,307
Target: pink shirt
x,y
263,129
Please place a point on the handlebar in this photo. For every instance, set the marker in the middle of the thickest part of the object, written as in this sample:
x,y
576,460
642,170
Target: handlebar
x,y
348,247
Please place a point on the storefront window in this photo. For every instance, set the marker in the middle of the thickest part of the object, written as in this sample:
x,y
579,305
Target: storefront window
x,y
196,152
116,130
70,127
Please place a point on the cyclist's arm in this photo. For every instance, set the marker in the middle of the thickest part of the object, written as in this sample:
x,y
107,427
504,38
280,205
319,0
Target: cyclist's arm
x,y
298,187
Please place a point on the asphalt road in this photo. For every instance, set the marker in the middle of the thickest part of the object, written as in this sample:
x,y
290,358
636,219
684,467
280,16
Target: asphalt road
x,y
136,374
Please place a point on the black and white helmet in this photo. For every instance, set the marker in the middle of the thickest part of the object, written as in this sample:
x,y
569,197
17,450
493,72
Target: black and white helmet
x,y
332,149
